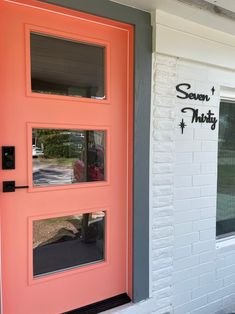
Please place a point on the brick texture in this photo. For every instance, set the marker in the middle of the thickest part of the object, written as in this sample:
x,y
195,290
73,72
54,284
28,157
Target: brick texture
x,y
190,273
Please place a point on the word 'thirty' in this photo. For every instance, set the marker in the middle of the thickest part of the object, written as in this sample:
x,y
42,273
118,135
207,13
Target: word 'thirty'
x,y
202,118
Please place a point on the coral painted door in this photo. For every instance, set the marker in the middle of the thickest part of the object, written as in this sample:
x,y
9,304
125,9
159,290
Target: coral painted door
x,y
66,109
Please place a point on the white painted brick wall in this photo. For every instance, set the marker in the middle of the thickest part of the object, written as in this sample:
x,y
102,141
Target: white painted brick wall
x,y
164,138
190,272
203,275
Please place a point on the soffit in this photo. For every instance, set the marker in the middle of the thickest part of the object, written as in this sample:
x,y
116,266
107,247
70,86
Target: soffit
x,y
150,5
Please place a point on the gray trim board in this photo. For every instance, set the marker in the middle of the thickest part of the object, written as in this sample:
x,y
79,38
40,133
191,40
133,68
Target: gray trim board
x,y
142,99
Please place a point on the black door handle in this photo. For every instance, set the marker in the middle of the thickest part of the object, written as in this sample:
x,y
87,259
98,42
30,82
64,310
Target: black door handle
x,y
10,186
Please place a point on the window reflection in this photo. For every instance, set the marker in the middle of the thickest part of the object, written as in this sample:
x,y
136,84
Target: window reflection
x,y
65,67
225,217
65,242
67,156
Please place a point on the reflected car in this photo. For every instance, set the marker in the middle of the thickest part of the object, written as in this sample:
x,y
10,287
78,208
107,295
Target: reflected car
x,y
37,152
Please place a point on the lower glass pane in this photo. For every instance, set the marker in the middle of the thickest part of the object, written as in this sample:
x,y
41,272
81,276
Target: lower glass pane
x,y
66,242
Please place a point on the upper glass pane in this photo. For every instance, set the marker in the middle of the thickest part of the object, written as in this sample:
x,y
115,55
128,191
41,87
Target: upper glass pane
x,y
65,67
67,156
226,171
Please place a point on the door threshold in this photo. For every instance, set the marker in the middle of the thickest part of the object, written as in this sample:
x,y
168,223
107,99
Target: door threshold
x,y
102,306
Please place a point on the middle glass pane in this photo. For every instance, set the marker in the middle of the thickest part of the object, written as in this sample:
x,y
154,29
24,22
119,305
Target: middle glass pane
x,y
61,156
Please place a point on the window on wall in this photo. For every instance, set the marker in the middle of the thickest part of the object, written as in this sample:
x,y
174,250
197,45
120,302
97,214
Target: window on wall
x,y
225,218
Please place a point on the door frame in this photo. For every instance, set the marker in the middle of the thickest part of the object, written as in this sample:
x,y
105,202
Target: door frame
x,y
141,129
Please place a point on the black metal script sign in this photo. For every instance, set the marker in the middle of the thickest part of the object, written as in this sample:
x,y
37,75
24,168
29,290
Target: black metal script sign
x,y
184,92
202,118
192,95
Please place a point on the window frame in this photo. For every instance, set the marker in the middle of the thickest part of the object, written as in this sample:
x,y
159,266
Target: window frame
x,y
227,95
